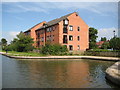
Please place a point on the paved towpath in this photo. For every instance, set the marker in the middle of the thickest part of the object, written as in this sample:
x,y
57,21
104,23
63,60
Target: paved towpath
x,y
64,57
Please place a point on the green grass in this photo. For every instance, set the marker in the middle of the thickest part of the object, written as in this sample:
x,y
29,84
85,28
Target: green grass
x,y
13,53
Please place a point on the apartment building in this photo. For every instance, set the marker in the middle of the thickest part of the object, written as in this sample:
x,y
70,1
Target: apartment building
x,y
69,30
32,33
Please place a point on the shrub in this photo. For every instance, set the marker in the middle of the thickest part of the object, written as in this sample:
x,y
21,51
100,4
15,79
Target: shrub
x,y
54,49
22,43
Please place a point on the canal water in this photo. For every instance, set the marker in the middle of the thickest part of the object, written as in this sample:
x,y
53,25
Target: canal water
x,y
54,73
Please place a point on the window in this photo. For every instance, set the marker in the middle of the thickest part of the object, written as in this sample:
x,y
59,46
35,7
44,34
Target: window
x,y
47,38
38,35
44,25
65,22
70,47
70,38
50,38
64,38
54,28
78,28
71,28
64,29
53,38
48,29
78,47
28,33
42,39
78,38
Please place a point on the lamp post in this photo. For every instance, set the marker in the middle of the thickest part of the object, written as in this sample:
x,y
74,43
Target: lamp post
x,y
114,33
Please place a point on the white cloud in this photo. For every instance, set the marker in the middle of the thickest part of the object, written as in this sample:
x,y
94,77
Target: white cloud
x,y
107,32
23,7
9,35
101,8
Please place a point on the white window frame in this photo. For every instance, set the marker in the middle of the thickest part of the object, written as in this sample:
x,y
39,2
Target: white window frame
x,y
79,38
70,38
66,22
78,47
48,29
79,28
72,47
70,27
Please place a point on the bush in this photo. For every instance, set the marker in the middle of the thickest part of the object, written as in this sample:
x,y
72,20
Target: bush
x,y
115,43
54,49
22,43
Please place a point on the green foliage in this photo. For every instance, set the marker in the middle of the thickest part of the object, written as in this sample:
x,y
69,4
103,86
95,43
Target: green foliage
x,y
103,50
4,43
103,39
115,43
54,49
14,53
92,37
99,50
22,43
92,45
105,45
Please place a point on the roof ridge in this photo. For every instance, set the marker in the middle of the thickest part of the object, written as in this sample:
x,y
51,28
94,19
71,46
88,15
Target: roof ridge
x,y
57,20
34,26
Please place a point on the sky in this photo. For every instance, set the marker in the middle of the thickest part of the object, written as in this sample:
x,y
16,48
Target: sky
x,y
20,16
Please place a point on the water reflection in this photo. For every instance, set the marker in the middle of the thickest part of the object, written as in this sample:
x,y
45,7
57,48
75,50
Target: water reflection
x,y
54,74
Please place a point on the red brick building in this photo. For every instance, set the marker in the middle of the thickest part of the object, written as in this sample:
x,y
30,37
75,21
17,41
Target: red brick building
x,y
99,44
69,30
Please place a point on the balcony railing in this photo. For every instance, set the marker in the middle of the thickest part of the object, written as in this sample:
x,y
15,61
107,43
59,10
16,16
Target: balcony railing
x,y
65,30
65,41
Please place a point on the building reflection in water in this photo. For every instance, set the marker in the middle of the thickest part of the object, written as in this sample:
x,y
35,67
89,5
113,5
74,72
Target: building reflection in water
x,y
57,74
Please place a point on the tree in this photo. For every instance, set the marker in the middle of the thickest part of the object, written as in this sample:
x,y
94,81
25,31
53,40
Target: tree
x,y
4,43
115,43
105,45
103,39
92,37
22,43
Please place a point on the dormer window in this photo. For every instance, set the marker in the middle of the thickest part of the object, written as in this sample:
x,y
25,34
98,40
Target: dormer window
x,y
66,22
44,25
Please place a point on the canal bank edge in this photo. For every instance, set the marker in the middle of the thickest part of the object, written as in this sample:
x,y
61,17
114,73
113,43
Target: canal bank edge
x,y
113,73
64,57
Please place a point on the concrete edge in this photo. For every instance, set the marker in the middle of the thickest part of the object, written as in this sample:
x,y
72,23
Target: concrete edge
x,y
65,57
113,73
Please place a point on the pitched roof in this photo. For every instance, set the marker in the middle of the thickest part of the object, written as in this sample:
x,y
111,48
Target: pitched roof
x,y
33,26
55,21
100,42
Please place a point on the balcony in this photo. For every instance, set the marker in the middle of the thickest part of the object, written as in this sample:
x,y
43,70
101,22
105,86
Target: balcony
x,y
65,22
65,41
65,30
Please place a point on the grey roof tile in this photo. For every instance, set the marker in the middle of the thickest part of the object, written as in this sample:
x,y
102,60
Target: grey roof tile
x,y
55,21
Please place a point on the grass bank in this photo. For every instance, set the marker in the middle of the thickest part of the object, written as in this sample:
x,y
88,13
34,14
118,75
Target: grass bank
x,y
35,54
14,53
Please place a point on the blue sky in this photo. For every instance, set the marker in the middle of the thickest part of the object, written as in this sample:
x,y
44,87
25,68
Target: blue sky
x,y
20,16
